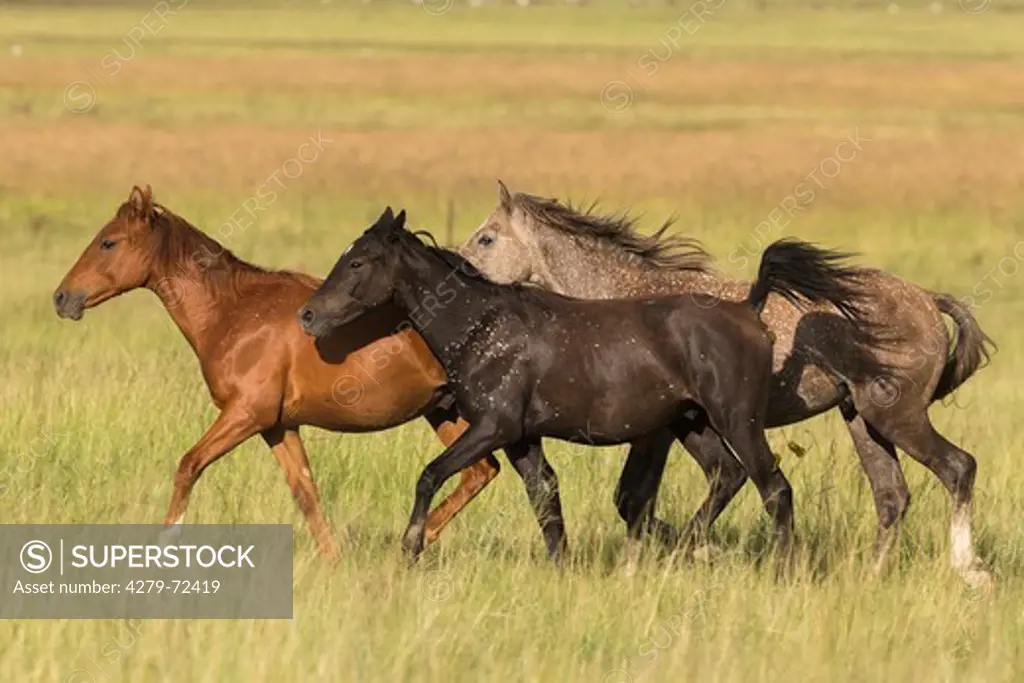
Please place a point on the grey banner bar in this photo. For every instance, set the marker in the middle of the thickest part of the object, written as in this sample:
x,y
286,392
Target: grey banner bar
x,y
145,571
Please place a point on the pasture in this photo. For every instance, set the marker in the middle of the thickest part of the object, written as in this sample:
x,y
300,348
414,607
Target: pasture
x,y
341,108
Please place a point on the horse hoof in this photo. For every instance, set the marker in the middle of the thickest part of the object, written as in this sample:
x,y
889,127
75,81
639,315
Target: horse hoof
x,y
170,535
431,535
706,553
629,568
412,542
978,579
877,571
630,564
330,553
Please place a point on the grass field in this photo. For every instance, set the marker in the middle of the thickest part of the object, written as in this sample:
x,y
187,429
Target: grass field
x,y
424,112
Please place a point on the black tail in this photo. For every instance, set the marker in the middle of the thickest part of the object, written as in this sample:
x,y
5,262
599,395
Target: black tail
x,y
971,351
803,273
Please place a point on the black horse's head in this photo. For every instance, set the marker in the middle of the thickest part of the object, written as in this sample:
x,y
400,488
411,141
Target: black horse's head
x,y
361,280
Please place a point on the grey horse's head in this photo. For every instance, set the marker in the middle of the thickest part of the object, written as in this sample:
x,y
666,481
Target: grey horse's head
x,y
502,248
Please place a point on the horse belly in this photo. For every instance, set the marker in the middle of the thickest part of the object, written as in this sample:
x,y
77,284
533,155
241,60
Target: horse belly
x,y
601,420
365,392
358,408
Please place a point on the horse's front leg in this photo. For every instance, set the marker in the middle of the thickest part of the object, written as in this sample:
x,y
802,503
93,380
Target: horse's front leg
x,y
235,424
449,427
476,443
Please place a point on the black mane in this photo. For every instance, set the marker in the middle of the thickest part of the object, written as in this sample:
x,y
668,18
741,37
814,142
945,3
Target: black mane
x,y
456,261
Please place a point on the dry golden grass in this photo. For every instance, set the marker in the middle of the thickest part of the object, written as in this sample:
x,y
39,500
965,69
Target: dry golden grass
x,y
702,128
942,130
895,166
791,81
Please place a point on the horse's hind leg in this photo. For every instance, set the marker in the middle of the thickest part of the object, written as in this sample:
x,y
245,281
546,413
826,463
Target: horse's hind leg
x,y
751,447
955,468
642,474
725,476
542,488
888,485
287,447
449,427
637,490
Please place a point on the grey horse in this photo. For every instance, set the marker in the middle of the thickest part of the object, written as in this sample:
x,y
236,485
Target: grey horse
x,y
822,360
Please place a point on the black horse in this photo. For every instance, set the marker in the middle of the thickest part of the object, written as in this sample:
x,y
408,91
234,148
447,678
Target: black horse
x,y
524,363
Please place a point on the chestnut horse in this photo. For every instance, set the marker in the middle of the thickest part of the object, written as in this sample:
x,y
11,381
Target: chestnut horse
x,y
266,376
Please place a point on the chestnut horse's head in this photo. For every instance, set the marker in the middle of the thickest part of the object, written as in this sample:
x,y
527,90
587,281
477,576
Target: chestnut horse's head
x,y
119,258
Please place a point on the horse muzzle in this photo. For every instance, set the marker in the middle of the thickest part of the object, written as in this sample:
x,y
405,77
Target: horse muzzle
x,y
313,323
69,304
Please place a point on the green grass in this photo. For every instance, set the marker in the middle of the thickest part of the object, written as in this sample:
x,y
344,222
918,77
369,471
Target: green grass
x,y
313,28
94,416
118,398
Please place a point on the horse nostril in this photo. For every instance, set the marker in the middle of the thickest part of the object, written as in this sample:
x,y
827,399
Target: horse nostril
x,y
307,316
59,297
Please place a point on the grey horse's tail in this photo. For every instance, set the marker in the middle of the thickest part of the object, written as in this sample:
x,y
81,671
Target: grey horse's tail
x,y
972,349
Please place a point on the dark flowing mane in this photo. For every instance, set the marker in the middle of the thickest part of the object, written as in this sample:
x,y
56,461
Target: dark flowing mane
x,y
452,258
658,250
458,262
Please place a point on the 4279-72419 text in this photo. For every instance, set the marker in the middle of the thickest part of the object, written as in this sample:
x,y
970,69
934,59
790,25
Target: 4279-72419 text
x,y
140,586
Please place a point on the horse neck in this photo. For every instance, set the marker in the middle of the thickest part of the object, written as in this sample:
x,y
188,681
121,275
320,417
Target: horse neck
x,y
443,304
189,279
594,270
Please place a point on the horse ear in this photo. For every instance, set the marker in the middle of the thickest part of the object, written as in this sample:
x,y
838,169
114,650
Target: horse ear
x,y
141,201
387,225
399,221
504,196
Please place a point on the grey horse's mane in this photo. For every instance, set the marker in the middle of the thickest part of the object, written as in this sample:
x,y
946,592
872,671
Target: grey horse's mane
x,y
658,250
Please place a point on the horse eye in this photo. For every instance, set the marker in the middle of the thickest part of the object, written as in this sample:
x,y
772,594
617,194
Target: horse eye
x,y
107,245
355,264
485,240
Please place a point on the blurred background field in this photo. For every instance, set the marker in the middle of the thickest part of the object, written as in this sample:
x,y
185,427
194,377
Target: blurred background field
x,y
717,119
